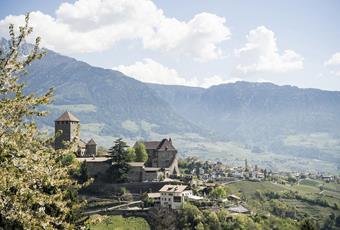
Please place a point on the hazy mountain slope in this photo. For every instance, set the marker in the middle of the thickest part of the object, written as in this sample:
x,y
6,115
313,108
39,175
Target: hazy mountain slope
x,y
256,110
281,119
108,101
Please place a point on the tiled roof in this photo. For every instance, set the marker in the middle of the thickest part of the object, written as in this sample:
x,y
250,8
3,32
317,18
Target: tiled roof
x,y
136,164
238,209
165,144
91,142
67,116
151,169
151,144
82,143
232,196
154,195
173,188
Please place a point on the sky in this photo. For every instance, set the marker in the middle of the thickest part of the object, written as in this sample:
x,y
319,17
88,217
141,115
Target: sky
x,y
193,42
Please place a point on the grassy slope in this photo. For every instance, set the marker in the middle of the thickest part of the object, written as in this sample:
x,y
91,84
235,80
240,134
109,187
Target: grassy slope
x,y
249,188
308,188
121,223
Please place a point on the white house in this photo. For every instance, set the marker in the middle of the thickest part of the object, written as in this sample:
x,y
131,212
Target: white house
x,y
173,196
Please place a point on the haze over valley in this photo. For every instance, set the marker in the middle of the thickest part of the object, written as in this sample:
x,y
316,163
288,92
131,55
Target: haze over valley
x,y
279,127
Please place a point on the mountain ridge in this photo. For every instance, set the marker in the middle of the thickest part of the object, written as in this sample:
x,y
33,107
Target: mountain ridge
x,y
259,121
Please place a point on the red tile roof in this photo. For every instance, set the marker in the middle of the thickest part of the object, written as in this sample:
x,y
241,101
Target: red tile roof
x,y
165,144
67,116
91,142
173,188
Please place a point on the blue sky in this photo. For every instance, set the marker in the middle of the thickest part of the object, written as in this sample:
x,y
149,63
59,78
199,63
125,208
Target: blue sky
x,y
198,43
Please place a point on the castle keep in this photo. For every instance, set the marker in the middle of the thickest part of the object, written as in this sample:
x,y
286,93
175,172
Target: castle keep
x,y
67,129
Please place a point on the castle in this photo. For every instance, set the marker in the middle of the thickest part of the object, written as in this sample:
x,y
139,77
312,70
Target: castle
x,y
162,155
67,129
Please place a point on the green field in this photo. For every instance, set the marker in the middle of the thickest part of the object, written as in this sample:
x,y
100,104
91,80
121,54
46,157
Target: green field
x,y
120,223
307,189
249,188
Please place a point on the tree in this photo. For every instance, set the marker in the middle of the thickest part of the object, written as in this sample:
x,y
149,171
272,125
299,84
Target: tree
x,y
119,155
131,154
218,193
83,174
190,217
329,222
36,189
308,224
337,221
211,220
292,180
163,218
141,154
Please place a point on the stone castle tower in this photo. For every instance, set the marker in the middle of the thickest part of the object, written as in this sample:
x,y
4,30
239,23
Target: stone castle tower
x,y
91,148
68,124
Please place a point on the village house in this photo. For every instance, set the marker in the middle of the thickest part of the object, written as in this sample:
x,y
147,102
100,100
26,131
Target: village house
x,y
173,196
239,209
327,178
234,198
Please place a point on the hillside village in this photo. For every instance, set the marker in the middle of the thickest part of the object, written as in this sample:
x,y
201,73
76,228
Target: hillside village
x,y
226,119
166,181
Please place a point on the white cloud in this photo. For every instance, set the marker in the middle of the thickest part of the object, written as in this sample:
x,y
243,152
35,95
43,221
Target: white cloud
x,y
217,80
334,63
151,71
262,80
261,54
96,25
334,60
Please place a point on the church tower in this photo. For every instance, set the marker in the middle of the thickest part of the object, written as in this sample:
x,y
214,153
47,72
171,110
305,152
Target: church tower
x,y
68,124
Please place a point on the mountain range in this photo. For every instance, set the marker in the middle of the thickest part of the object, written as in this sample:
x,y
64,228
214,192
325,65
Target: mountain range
x,y
255,119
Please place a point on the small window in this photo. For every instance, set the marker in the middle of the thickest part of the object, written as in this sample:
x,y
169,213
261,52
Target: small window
x,y
177,199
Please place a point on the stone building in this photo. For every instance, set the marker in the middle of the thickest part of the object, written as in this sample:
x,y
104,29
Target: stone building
x,y
67,129
163,155
91,148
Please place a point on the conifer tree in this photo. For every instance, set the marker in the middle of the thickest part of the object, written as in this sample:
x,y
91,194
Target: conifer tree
x,y
119,155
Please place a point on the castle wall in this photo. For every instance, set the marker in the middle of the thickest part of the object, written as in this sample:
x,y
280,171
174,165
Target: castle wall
x,y
151,176
135,174
97,169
